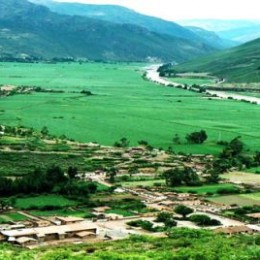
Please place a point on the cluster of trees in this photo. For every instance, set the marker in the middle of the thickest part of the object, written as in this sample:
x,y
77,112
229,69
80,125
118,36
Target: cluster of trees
x,y
164,217
233,155
204,220
167,219
181,176
193,138
123,142
53,180
197,137
199,219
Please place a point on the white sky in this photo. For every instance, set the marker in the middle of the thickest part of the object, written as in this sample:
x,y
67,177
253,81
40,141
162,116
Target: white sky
x,y
188,9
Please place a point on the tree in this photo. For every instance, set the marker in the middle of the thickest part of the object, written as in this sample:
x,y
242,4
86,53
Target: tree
x,y
213,176
183,210
55,175
45,131
122,143
257,158
176,139
72,172
234,148
173,177
163,216
112,174
179,176
204,220
190,177
197,137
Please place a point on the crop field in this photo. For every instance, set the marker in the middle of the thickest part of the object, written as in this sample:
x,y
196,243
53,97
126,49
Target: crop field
x,y
122,105
12,216
145,183
207,188
240,199
243,177
42,201
83,213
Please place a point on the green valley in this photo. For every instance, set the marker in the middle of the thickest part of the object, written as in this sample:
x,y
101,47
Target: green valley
x,y
122,104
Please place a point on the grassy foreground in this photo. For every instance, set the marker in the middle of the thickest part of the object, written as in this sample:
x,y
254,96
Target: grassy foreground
x,y
123,105
182,244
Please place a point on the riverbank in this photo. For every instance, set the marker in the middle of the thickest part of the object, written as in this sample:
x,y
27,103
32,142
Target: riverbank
x,y
153,75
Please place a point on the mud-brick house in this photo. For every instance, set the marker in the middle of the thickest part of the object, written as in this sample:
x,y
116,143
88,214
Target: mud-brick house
x,y
50,233
69,220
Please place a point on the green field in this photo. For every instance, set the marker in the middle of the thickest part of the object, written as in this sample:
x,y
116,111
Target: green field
x,y
123,105
44,200
241,199
207,188
254,170
11,216
84,213
146,183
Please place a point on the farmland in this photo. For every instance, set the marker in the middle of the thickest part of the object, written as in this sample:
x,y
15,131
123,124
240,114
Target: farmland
x,y
122,104
240,199
44,200
207,188
243,177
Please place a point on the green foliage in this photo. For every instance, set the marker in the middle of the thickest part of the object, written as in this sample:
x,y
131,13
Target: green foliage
x,y
204,220
183,210
167,219
131,96
212,188
68,38
197,137
221,64
39,202
181,243
122,143
179,176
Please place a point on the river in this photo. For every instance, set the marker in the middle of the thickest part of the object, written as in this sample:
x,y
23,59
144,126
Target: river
x,y
153,75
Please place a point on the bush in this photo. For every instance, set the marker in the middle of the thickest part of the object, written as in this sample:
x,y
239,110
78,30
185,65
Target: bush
x,y
204,220
227,191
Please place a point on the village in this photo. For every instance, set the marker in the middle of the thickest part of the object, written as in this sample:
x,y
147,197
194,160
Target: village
x,y
42,231
127,173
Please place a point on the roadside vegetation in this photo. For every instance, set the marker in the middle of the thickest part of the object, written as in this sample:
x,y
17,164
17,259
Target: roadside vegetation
x,y
179,244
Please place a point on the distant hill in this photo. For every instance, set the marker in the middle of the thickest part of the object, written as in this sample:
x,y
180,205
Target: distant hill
x,y
30,30
210,37
239,64
122,15
234,30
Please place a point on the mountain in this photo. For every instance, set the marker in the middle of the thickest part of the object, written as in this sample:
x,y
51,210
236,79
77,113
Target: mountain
x,y
27,29
122,15
210,37
239,64
234,30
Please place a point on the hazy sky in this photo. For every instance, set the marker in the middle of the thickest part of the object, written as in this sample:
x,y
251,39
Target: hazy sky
x,y
189,9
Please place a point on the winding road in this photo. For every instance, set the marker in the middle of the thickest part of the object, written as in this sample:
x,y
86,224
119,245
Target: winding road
x,y
153,75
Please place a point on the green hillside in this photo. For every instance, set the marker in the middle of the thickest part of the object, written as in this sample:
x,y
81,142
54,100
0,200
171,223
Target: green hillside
x,y
29,30
122,15
239,64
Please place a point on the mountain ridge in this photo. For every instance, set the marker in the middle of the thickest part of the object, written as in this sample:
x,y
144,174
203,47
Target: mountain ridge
x,y
29,30
122,15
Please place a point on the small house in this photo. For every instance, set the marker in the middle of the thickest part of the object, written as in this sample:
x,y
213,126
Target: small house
x,y
69,220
